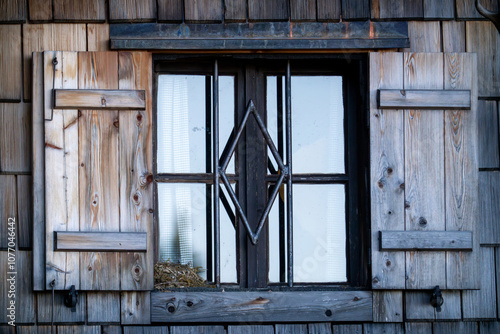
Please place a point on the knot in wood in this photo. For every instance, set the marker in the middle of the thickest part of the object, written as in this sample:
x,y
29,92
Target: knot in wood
x,y
103,101
139,117
422,221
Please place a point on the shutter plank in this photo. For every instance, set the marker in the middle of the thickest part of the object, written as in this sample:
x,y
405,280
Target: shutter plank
x,y
136,165
424,171
99,171
387,170
79,10
61,172
461,169
425,240
387,306
424,99
11,64
100,241
489,207
97,99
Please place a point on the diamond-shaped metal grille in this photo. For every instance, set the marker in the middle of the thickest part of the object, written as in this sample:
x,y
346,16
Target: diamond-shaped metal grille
x,y
283,172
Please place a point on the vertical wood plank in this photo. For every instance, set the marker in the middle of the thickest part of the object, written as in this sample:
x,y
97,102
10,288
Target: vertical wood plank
x,y
46,37
489,207
98,37
303,10
135,308
40,10
277,10
99,171
38,174
15,132
425,36
387,306
466,9
328,10
418,327
387,9
170,10
443,9
136,165
481,304
24,212
484,39
320,328
25,298
347,329
487,121
132,10
203,11
355,9
290,329
61,172
103,307
62,314
12,11
453,36
424,171
418,306
386,170
455,327
461,169
10,64
235,10
79,10
373,328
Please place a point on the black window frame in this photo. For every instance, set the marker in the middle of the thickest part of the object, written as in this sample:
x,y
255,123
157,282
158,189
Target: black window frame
x,y
354,70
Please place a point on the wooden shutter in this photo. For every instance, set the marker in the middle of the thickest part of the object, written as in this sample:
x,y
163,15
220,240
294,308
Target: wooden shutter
x,y
424,170
98,196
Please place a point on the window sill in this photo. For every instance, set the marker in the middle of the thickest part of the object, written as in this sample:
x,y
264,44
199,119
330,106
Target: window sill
x,y
261,306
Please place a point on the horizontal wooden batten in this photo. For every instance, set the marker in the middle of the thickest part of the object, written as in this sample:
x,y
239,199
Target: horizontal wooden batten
x,y
262,306
424,99
91,99
260,36
426,240
101,241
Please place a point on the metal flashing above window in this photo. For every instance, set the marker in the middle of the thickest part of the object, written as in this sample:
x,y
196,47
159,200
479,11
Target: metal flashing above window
x,y
261,36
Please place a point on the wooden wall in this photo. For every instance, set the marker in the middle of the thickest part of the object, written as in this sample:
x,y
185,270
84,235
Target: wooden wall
x,y
83,25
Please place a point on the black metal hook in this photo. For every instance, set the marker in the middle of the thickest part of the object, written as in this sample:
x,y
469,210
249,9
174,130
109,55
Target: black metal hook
x,y
71,298
493,17
437,299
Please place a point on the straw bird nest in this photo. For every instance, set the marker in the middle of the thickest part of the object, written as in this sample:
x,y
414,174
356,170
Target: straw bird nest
x,y
175,275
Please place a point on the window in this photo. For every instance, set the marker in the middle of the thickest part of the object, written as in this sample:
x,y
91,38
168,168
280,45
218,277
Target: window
x,y
325,144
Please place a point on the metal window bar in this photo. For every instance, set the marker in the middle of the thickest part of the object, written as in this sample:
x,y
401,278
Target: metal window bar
x,y
216,172
288,139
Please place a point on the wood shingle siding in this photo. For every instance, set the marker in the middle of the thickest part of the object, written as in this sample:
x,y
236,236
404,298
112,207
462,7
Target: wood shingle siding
x,y
487,114
303,10
277,10
418,307
79,10
132,10
388,9
40,10
203,11
489,207
12,11
10,67
170,11
15,130
466,10
328,10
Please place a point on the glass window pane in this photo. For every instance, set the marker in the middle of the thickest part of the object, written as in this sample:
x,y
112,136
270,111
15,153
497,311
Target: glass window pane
x,y
226,115
277,215
317,124
319,233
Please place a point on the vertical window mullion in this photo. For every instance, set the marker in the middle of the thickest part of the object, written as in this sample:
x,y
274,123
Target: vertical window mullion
x,y
289,214
216,172
208,169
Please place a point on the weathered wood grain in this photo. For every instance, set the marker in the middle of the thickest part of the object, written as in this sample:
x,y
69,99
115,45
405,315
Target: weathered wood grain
x,y
40,10
101,241
132,10
8,207
489,208
387,9
355,9
424,171
418,327
346,329
25,298
97,99
8,329
418,306
374,328
290,329
112,329
387,306
105,307
250,329
455,327
24,212
61,171
153,330
203,11
136,166
466,9
98,171
303,10
38,143
481,304
386,170
487,122
320,328
79,10
33,329
444,9
268,10
484,39
136,308
170,10
12,11
328,10
261,306
97,37
235,10
426,240
197,329
453,36
46,37
62,314
10,66
70,329
489,327
15,142
425,36
461,169
497,258
424,99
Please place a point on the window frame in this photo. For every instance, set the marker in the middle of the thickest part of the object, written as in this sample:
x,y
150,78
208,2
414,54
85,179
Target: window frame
x,y
355,91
